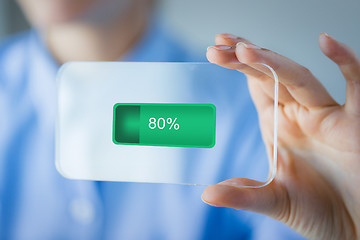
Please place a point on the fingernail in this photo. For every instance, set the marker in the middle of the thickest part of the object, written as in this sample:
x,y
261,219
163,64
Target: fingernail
x,y
248,45
231,183
230,36
325,34
221,47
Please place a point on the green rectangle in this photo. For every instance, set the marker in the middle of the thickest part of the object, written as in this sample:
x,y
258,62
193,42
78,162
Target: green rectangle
x,y
127,123
164,124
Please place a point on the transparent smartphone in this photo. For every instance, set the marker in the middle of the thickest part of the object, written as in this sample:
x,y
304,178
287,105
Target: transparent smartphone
x,y
182,123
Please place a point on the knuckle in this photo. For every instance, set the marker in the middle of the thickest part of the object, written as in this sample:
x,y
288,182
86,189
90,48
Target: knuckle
x,y
305,78
305,72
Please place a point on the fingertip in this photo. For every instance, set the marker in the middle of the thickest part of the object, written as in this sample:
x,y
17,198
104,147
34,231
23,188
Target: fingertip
x,y
220,36
229,39
339,52
224,195
209,196
330,46
247,53
225,36
327,44
232,193
218,195
248,45
324,35
221,54
211,54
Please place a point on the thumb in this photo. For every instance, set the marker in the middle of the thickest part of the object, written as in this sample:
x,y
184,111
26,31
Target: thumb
x,y
270,200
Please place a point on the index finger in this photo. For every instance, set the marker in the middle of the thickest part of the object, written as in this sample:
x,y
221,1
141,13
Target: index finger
x,y
298,80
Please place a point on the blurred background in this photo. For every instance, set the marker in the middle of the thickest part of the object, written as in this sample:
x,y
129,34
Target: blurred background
x,y
289,27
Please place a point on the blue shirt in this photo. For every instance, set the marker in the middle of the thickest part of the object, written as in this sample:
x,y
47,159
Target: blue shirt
x,y
37,203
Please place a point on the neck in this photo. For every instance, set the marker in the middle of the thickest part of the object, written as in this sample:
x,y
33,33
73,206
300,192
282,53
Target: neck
x,y
86,41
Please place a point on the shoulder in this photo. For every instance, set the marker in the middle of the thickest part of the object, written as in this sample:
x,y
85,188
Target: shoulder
x,y
13,56
14,45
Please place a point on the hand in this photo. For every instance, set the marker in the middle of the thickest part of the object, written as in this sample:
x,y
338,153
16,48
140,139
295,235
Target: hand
x,y
317,188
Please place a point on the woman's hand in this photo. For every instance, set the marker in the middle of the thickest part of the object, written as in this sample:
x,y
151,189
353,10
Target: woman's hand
x,y
317,188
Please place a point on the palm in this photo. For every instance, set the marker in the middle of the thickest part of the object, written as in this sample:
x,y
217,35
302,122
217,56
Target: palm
x,y
315,189
303,175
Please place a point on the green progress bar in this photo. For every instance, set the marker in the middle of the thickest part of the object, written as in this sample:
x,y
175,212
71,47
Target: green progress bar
x,y
164,124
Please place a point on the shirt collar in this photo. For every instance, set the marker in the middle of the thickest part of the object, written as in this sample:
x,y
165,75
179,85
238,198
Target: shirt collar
x,y
156,45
